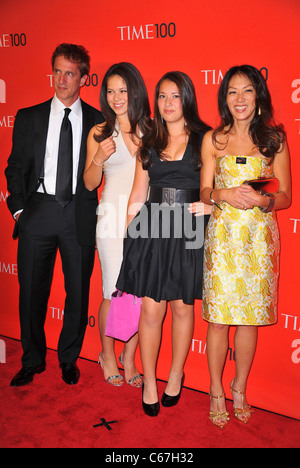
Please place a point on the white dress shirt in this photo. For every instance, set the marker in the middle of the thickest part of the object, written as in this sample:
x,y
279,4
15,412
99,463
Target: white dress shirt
x,y
51,157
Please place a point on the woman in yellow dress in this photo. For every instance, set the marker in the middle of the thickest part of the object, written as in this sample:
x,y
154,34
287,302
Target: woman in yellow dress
x,y
242,241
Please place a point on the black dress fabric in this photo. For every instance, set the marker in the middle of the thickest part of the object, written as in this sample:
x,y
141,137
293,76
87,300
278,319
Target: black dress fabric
x,y
163,246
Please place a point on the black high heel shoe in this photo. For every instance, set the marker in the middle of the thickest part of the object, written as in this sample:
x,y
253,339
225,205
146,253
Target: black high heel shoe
x,y
167,401
150,410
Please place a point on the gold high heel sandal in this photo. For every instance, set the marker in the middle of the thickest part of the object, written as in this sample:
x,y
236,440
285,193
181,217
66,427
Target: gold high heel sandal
x,y
217,417
241,414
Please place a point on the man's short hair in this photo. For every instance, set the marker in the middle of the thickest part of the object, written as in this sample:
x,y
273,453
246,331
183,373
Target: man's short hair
x,y
75,53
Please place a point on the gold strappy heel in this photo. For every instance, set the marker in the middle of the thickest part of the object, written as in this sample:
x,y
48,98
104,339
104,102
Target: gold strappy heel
x,y
241,414
217,417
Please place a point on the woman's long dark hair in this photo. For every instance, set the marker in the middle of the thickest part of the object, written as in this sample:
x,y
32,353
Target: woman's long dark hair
x,y
158,137
138,102
265,134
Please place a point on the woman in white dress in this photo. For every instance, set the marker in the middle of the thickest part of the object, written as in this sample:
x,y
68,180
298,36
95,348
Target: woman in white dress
x,y
111,152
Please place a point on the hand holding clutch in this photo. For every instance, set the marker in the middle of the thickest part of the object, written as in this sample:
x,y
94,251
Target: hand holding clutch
x,y
266,186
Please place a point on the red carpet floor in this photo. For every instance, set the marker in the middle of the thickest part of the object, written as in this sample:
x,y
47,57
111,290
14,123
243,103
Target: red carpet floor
x,y
50,414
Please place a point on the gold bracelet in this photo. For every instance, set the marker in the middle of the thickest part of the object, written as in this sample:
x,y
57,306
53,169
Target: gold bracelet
x,y
97,164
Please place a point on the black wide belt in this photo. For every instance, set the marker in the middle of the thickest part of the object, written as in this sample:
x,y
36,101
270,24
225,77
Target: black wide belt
x,y
172,195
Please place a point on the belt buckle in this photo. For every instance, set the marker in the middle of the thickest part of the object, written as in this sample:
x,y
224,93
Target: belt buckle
x,y
168,195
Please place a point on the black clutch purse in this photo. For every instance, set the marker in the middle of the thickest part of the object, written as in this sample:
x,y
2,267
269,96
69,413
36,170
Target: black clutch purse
x,y
264,184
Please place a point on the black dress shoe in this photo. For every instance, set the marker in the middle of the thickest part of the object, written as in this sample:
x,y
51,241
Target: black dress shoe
x,y
151,410
167,401
70,373
25,375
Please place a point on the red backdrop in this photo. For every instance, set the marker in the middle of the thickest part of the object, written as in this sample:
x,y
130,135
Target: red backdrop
x,y
202,39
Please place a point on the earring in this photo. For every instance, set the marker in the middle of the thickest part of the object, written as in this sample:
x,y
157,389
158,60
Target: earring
x,y
259,110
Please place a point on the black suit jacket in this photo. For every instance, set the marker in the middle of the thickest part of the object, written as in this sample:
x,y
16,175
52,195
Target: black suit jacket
x,y
27,158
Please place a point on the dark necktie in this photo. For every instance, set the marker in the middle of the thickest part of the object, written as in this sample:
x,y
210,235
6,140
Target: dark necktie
x,y
64,179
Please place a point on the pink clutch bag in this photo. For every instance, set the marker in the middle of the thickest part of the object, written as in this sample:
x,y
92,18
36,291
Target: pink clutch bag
x,y
123,316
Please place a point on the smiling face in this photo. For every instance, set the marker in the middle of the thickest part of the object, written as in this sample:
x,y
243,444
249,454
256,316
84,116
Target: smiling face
x,y
241,98
169,102
67,80
117,95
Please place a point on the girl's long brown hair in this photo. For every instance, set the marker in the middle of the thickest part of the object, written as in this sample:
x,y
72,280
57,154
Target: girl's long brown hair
x,y
158,136
138,102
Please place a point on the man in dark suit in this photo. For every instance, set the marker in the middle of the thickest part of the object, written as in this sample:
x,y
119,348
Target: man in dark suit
x,y
54,212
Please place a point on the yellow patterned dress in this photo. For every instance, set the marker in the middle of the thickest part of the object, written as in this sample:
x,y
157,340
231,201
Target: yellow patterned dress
x,y
241,266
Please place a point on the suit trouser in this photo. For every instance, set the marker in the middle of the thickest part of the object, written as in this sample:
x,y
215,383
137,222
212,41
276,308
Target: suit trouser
x,y
45,228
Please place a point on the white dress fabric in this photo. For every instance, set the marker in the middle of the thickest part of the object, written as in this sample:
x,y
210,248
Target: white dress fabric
x,y
119,171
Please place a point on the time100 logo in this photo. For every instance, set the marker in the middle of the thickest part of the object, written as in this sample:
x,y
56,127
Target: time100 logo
x,y
147,31
13,40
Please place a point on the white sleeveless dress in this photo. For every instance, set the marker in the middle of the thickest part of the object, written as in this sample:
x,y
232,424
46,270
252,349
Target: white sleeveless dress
x,y
119,171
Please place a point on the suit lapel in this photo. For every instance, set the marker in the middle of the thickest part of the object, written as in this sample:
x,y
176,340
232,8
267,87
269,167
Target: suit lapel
x,y
88,122
41,125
